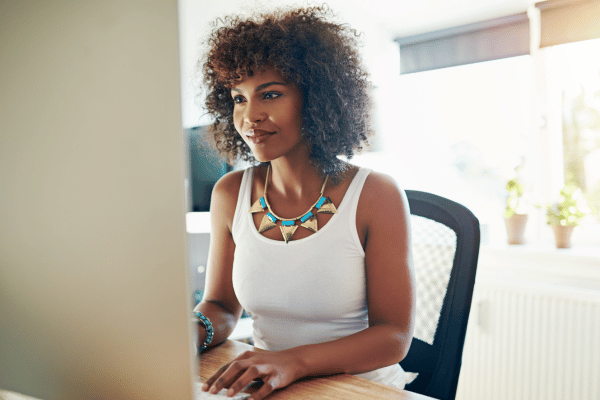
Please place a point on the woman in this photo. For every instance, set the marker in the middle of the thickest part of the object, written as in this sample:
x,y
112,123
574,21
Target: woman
x,y
315,249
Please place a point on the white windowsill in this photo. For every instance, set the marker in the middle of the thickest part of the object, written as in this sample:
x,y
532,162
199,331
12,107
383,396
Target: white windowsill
x,y
576,253
577,267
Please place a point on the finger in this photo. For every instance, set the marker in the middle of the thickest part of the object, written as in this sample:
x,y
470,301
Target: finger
x,y
214,377
233,371
250,374
265,390
210,381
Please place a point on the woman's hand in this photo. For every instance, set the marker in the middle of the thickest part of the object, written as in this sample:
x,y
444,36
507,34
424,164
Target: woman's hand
x,y
276,369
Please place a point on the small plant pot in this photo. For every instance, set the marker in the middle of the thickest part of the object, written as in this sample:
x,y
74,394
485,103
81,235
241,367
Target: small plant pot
x,y
562,234
515,228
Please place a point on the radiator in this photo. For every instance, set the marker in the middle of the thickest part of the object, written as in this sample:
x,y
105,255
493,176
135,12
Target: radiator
x,y
532,342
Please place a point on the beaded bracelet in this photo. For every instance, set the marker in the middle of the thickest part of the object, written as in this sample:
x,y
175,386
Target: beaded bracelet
x,y
209,331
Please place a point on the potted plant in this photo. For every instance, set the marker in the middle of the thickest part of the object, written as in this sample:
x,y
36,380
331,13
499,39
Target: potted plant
x,y
566,213
514,217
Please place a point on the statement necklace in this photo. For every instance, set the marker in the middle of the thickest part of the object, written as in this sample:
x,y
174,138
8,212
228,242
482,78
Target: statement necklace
x,y
288,226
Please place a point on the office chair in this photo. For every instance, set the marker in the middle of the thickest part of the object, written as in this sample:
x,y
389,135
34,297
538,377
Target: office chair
x,y
445,251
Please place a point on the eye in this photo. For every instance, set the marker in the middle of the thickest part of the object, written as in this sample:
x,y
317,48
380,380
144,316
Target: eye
x,y
271,95
237,99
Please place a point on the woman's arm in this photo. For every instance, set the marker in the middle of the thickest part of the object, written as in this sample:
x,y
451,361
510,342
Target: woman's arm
x,y
383,222
219,304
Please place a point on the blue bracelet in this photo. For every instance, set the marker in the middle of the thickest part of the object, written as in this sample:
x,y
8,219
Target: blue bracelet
x,y
209,331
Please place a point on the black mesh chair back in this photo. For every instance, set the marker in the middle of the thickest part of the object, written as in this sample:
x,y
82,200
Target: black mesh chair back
x,y
445,250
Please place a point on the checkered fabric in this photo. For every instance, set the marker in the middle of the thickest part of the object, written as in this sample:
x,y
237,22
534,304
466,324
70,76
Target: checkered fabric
x,y
434,245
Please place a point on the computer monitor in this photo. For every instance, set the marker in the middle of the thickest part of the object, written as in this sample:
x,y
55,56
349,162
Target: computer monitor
x,y
93,294
206,167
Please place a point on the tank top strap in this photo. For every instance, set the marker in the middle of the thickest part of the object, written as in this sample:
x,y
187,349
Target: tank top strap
x,y
348,208
243,202
353,193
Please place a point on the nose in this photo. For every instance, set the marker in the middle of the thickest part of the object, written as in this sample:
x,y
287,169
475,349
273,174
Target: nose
x,y
254,112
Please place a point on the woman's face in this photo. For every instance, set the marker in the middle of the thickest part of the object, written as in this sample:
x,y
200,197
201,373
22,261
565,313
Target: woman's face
x,y
267,114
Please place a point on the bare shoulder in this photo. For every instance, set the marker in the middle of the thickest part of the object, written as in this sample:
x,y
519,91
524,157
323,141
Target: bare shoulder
x,y
229,184
224,197
381,191
382,206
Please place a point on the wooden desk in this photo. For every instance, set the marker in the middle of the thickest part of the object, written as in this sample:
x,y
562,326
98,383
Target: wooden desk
x,y
324,388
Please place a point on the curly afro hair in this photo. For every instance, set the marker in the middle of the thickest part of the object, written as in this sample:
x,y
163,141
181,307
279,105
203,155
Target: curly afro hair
x,y
318,56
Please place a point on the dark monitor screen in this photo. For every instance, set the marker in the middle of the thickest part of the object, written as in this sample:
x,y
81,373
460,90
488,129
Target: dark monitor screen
x,y
206,167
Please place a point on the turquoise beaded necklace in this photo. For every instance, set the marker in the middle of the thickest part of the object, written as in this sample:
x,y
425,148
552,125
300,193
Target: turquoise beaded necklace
x,y
288,226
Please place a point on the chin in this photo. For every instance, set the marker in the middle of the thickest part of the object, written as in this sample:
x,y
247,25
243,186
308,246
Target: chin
x,y
263,158
267,159
265,155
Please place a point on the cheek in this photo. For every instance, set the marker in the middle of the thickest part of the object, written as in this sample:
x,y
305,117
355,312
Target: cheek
x,y
237,120
298,120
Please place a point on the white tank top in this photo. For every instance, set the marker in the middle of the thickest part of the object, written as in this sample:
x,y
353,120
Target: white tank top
x,y
310,290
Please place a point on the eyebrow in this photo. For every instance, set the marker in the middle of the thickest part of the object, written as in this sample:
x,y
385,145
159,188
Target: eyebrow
x,y
261,87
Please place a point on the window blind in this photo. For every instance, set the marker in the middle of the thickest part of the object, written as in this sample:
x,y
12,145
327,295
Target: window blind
x,y
566,21
483,41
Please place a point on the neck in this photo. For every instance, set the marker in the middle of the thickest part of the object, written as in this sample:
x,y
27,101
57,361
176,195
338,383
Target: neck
x,y
295,179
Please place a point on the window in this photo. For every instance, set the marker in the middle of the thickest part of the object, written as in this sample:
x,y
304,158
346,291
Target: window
x,y
464,130
572,81
461,132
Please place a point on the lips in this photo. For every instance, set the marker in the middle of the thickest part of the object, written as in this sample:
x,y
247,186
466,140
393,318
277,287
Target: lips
x,y
258,135
257,132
